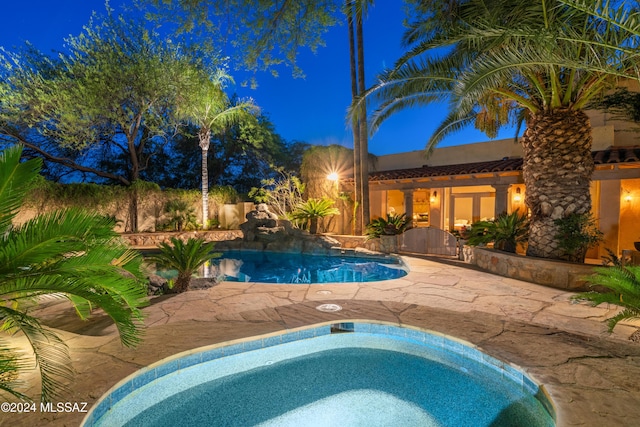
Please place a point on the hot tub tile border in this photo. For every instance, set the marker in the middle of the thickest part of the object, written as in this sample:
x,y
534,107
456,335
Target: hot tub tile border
x,y
194,357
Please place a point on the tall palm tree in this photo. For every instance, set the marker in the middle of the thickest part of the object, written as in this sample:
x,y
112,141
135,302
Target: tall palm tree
x,y
208,107
355,10
505,62
65,254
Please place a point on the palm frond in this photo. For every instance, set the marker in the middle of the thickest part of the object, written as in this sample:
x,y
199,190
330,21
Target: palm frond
x,y
184,257
50,352
11,363
623,289
15,178
530,55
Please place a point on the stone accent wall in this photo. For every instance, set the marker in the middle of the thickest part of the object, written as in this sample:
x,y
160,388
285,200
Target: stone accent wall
x,y
556,274
152,240
352,242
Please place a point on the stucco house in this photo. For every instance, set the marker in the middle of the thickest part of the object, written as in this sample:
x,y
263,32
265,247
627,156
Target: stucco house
x,y
459,185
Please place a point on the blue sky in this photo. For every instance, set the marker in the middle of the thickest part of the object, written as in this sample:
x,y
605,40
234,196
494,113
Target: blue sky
x,y
310,109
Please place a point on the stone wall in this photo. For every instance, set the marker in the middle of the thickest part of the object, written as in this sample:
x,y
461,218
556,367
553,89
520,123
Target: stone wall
x,y
352,242
557,274
152,240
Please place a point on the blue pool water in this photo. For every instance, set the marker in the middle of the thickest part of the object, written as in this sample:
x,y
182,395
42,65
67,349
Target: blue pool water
x,y
378,375
275,267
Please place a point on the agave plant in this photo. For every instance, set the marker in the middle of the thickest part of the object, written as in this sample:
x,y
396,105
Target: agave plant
x,y
68,254
313,209
186,258
623,285
393,225
506,232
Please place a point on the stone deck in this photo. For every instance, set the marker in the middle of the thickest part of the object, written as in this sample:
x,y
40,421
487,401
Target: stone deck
x,y
591,375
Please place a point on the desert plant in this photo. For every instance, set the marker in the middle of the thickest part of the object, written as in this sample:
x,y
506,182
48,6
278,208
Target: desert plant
x,y
69,254
282,195
313,209
393,225
181,215
623,285
506,231
576,234
186,258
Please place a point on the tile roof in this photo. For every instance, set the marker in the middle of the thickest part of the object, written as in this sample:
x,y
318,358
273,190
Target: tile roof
x,y
617,155
611,155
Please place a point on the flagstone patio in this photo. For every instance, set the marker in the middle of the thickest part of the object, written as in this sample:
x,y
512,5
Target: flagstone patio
x,y
590,374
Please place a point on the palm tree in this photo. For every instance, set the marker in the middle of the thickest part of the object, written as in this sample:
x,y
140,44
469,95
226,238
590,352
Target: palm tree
x,y
506,231
68,254
313,209
354,10
505,62
208,107
186,258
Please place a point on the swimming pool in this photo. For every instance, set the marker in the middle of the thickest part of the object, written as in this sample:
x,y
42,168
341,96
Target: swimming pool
x,y
376,375
277,267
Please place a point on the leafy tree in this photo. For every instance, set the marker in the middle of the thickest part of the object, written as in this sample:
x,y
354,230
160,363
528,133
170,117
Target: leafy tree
x,y
503,62
113,96
262,34
186,258
272,34
68,254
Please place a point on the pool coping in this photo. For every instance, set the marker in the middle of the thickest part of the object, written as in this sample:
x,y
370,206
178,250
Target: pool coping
x,y
439,341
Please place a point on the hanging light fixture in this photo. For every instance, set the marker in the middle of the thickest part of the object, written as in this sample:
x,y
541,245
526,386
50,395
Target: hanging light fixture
x,y
517,196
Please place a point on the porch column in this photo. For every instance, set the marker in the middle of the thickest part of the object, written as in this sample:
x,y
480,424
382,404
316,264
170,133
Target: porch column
x,y
408,203
502,198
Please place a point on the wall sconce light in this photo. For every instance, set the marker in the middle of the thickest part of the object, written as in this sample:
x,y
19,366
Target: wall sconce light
x,y
627,198
433,197
517,197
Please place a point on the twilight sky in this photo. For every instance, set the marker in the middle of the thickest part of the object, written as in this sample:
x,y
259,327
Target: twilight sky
x,y
310,109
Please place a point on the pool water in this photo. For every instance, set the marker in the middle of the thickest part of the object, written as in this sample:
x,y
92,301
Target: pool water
x,y
275,267
348,379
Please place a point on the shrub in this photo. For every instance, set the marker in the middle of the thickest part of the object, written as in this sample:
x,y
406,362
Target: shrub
x,y
393,225
186,258
312,210
623,289
506,232
181,215
576,234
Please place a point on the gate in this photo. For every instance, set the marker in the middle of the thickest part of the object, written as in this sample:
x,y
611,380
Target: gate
x,y
428,240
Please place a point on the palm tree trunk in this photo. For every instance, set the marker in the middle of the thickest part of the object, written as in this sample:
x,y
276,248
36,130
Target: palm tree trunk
x,y
205,138
355,125
557,173
182,283
362,128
